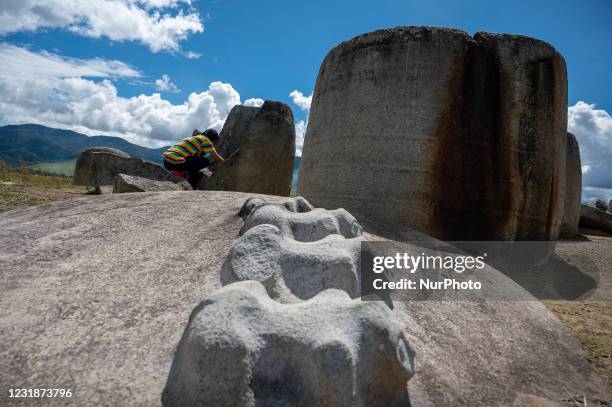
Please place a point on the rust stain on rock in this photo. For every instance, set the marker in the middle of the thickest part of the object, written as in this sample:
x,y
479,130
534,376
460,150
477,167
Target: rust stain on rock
x,y
469,162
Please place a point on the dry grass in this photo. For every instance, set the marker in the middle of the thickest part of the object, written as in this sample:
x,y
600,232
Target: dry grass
x,y
591,323
23,186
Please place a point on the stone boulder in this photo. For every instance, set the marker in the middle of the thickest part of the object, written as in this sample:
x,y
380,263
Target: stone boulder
x,y
128,183
304,226
114,271
297,204
593,218
99,166
292,270
259,145
573,188
241,348
403,118
601,205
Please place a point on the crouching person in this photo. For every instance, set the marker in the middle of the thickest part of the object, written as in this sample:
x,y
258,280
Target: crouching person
x,y
190,155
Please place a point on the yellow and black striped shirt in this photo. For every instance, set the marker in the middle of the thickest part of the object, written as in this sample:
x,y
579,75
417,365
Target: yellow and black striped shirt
x,y
196,145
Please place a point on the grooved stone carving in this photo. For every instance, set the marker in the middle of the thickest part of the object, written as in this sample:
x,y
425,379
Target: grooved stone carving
x,y
242,348
292,270
304,226
297,204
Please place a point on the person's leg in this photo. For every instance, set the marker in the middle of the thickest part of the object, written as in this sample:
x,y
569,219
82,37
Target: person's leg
x,y
194,165
175,167
178,169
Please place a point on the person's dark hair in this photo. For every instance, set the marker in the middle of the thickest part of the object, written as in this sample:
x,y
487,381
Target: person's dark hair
x,y
212,135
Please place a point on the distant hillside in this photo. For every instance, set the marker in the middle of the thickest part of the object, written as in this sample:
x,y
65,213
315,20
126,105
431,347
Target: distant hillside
x,y
31,143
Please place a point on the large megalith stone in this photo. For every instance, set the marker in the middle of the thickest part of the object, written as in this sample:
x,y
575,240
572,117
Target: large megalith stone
x,y
242,348
129,183
573,188
260,146
461,138
292,270
99,166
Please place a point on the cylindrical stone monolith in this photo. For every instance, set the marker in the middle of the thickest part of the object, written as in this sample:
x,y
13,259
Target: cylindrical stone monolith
x,y
573,188
458,137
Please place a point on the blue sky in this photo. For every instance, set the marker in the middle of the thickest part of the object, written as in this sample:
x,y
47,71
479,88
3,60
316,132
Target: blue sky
x,y
115,50
267,49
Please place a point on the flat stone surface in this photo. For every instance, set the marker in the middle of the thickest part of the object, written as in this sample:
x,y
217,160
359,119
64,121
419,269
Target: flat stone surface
x,y
96,292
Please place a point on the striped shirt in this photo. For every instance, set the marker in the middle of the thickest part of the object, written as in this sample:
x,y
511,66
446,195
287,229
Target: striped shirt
x,y
196,145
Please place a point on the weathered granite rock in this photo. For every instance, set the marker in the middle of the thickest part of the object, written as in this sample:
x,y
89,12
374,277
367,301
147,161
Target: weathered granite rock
x,y
403,118
87,281
304,226
108,150
99,166
128,183
297,204
573,188
600,204
241,348
591,217
292,270
260,145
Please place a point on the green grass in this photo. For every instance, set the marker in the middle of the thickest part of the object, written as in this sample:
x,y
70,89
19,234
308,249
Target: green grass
x,y
25,186
60,168
25,177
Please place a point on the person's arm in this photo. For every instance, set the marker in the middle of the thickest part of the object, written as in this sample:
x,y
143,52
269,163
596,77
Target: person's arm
x,y
215,156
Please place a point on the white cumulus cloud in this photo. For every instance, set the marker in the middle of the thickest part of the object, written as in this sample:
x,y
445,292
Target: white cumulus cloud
x,y
593,129
303,102
80,95
300,133
164,84
192,55
159,24
21,63
590,194
255,102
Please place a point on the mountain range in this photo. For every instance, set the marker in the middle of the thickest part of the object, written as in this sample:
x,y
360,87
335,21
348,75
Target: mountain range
x,y
28,144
